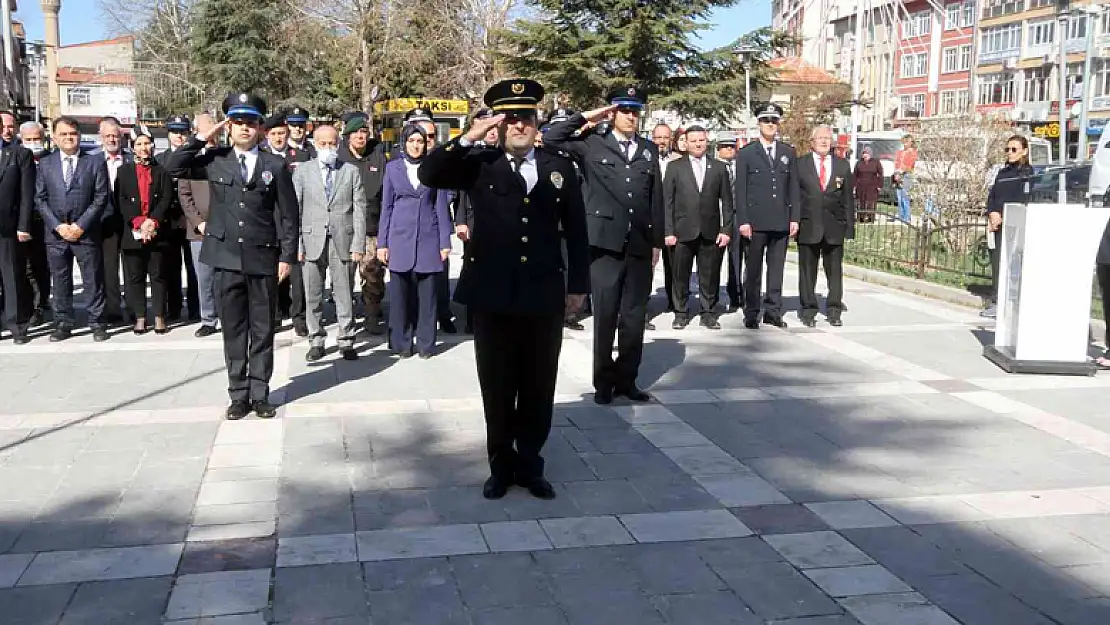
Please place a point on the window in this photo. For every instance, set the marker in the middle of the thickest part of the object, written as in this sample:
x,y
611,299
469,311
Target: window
x,y
969,14
995,8
1036,4
1077,27
1001,39
957,59
1042,33
952,16
1074,81
917,25
1101,77
1104,23
912,105
79,96
995,89
915,65
953,102
1037,81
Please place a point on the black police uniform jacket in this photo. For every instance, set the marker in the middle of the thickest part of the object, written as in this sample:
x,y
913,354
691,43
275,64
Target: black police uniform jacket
x,y
514,261
625,199
767,196
252,224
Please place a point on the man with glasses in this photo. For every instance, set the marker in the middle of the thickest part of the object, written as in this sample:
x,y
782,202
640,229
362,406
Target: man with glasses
x,y
250,239
111,229
297,121
624,193
768,208
526,201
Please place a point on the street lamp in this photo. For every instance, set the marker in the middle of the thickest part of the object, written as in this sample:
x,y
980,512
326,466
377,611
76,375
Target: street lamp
x,y
744,54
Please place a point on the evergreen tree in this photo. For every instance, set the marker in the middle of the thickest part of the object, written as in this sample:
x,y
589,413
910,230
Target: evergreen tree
x,y
233,47
580,49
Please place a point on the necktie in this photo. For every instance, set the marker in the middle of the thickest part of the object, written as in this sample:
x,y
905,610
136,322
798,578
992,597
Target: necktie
x,y
329,179
771,154
69,171
699,173
243,167
518,161
624,148
822,174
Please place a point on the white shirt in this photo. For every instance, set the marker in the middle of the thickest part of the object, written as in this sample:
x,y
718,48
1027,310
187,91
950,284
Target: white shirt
x,y
410,171
698,164
828,167
252,158
528,169
618,137
768,146
113,161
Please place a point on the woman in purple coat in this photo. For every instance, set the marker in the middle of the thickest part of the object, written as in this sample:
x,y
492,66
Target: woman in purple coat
x,y
414,239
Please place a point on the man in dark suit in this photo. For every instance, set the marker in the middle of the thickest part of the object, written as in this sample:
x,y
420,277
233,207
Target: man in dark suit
x,y
193,195
17,201
178,254
111,223
513,275
767,210
828,218
71,194
698,221
291,302
624,192
250,239
734,285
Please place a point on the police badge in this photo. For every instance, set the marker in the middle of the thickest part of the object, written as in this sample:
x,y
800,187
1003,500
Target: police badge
x,y
784,159
267,177
839,182
647,155
557,179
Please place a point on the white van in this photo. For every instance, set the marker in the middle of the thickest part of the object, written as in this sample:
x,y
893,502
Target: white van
x,y
1100,166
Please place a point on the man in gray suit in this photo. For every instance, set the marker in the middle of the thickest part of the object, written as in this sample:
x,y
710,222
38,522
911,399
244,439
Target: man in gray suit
x,y
333,235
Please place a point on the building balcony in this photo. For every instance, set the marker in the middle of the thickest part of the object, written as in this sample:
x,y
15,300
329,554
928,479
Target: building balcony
x,y
998,56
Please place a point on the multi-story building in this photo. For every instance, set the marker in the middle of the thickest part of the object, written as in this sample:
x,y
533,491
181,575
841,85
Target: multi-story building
x,y
933,62
876,72
96,79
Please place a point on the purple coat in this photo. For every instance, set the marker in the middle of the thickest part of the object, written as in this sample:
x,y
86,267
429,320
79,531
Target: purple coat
x,y
415,223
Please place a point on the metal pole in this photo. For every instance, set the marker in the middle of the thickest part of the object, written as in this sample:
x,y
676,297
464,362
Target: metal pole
x,y
38,85
1084,100
747,101
857,61
1063,69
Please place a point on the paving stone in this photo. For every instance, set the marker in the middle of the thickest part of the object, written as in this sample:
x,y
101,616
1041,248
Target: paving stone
x,y
206,533
240,474
319,592
735,551
61,536
908,608
817,550
679,434
228,555
594,417
420,542
251,491
539,615
235,513
101,564
717,607
422,573
615,440
249,432
254,618
128,532
519,505
313,550
399,508
309,522
705,460
669,569
585,531
741,490
619,608
850,514
681,526
227,456
119,602
42,605
645,413
622,466
905,553
515,536
214,594
462,505
780,519
441,606
776,590
588,572
972,599
12,567
606,497
842,619
869,579
501,579
673,492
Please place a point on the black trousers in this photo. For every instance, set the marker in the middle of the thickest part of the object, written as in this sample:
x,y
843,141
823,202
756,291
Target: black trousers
x,y
1103,273
412,311
772,246
443,293
291,296
246,307
734,286
13,281
621,286
110,259
668,275
60,255
518,362
709,275
178,256
137,265
996,258
37,271
832,257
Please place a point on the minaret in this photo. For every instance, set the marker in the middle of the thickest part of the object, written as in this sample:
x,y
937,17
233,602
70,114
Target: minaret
x,y
50,9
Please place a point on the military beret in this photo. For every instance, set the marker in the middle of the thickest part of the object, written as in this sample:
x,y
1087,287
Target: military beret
x,y
349,115
178,123
245,105
354,124
628,96
515,94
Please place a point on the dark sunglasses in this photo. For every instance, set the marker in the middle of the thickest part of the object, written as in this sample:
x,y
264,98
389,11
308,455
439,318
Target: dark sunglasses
x,y
628,110
1012,150
526,118
768,120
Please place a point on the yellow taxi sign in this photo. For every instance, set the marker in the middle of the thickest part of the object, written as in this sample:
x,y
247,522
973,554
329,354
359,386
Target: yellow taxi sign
x,y
403,105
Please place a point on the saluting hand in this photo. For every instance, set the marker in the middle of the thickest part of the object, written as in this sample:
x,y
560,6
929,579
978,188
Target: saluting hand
x,y
283,271
214,131
599,114
480,127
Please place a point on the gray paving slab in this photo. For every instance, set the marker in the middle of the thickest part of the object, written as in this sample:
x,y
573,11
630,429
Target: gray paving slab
x,y
101,564
215,594
119,602
817,550
319,592
586,531
420,542
35,606
501,580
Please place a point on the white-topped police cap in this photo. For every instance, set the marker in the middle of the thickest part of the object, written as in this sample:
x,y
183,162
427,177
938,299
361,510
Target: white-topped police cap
x,y
178,123
769,110
560,115
244,105
296,116
726,142
418,114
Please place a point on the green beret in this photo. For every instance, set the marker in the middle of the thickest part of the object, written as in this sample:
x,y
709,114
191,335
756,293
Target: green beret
x,y
355,123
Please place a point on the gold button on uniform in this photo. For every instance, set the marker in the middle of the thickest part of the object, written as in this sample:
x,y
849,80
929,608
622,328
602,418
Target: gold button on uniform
x,y
523,259
523,239
523,220
525,200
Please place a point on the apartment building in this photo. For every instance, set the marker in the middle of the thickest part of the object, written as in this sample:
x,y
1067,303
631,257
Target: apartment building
x,y
934,59
876,72
96,79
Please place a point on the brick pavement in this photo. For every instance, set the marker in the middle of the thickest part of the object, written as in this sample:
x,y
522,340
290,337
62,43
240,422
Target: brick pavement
x,y
878,474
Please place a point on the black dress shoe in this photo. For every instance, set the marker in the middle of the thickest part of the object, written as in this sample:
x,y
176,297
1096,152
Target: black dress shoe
x,y
733,308
161,330
237,410
710,323
679,323
372,327
569,324
20,337
751,324
633,393
264,409
603,396
204,331
300,328
314,354
403,355
139,331
809,323
61,333
836,322
447,326
36,319
425,355
649,325
538,487
495,487
100,334
774,321
348,353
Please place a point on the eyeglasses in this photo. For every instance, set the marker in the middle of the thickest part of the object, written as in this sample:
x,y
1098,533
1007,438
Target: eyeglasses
x,y
1012,150
628,110
768,120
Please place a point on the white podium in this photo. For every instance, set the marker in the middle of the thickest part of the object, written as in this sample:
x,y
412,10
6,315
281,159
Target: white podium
x,y
1044,288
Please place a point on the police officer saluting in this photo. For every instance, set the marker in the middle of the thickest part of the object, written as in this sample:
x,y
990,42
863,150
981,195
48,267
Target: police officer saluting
x,y
624,192
250,239
768,207
513,275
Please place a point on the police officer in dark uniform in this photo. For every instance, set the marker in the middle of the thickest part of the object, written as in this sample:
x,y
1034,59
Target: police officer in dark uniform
x,y
768,208
250,239
297,121
624,193
176,238
736,246
462,209
291,301
513,277
573,320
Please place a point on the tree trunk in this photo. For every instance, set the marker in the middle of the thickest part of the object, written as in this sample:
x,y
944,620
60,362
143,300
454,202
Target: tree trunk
x,y
364,71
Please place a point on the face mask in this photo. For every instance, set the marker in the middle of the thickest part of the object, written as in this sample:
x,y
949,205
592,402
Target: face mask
x,y
35,148
327,156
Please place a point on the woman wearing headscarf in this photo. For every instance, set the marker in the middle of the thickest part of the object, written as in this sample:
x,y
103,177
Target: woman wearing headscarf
x,y
414,239
1011,184
144,194
869,181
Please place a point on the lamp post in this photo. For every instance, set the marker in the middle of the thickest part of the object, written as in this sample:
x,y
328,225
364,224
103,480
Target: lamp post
x,y
1062,67
744,54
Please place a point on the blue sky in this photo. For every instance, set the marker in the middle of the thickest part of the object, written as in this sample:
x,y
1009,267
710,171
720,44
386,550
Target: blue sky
x,y
81,21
